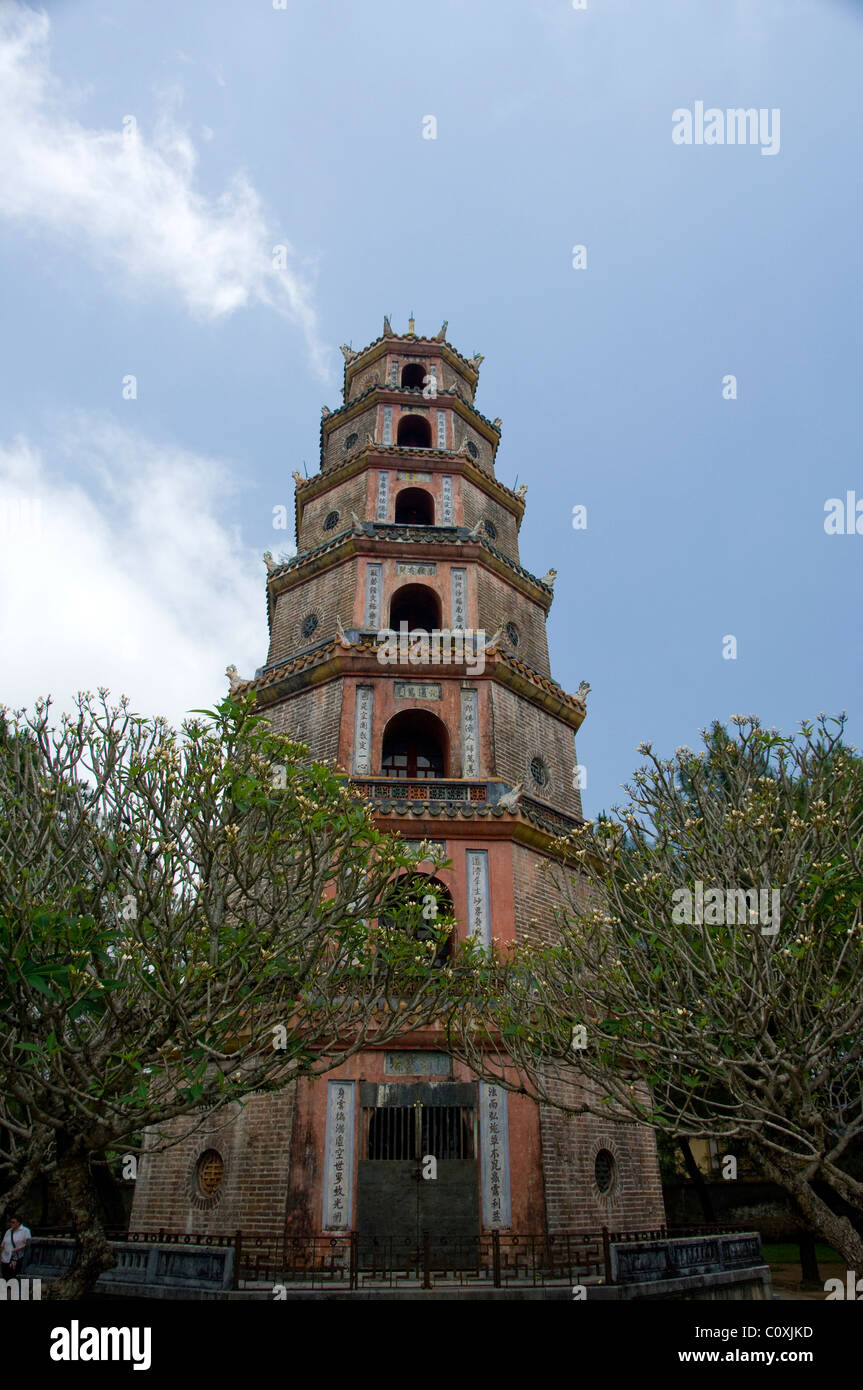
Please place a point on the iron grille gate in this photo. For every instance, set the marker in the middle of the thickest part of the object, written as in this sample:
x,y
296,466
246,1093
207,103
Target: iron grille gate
x,y
411,1211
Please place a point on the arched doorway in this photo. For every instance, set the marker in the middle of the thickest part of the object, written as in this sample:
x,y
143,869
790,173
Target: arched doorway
x,y
415,744
414,432
416,605
414,507
413,376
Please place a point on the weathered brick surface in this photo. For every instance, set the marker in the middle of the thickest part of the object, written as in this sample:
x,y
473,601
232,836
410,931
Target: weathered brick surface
x,y
523,732
254,1143
328,594
478,506
570,1144
313,717
362,423
500,602
344,498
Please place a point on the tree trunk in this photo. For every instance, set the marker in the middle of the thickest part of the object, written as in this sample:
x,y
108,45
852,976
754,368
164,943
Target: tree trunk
x,y
94,1255
808,1259
838,1231
697,1177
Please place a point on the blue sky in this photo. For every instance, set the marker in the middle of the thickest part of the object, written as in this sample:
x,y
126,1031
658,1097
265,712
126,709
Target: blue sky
x,y
149,254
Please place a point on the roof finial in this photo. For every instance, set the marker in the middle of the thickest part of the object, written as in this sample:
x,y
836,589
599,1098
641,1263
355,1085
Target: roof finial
x,y
411,325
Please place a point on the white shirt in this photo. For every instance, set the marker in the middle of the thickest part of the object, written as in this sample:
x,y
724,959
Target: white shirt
x,y
17,1239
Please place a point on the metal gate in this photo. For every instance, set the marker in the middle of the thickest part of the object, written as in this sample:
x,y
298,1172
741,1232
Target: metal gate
x,y
417,1177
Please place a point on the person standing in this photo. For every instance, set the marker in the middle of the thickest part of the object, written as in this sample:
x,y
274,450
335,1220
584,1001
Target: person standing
x,y
14,1249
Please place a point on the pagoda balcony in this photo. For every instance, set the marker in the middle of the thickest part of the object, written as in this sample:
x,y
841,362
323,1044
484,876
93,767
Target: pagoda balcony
x,y
431,789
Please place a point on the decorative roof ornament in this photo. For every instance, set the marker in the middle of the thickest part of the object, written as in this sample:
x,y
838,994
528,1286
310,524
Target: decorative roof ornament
x,y
480,526
496,424
359,529
348,353
440,336
269,561
344,640
388,328
325,411
550,578
582,692
491,644
412,327
476,360
522,491
298,477
509,801
234,678
371,441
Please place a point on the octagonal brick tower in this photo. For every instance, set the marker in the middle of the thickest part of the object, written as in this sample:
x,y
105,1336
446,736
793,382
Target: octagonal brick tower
x,y
406,527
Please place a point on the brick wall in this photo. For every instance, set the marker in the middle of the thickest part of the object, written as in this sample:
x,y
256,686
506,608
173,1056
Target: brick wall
x,y
570,1144
477,504
312,717
254,1143
500,602
328,594
344,498
360,424
522,732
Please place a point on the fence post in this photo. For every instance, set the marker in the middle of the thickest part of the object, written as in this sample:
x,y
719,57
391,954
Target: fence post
x,y
495,1258
238,1250
606,1251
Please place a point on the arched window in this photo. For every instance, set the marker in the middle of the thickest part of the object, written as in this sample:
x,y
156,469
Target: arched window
x,y
416,605
414,745
414,432
414,507
426,902
413,376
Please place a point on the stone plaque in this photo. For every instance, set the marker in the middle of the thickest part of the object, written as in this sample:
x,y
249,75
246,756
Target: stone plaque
x,y
388,424
339,1156
363,711
494,1143
404,477
446,501
441,429
469,734
417,1064
479,923
374,587
383,507
417,690
458,586
394,374
403,567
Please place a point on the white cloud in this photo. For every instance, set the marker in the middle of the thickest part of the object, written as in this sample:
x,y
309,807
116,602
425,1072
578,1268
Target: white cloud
x,y
133,201
127,576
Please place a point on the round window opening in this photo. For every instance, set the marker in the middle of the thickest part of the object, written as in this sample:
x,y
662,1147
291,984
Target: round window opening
x,y
472,449
331,519
539,772
351,441
490,529
309,624
513,634
603,1170
210,1171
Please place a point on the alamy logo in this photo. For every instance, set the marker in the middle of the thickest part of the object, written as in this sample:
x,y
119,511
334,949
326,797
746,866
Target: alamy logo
x,y
736,126
852,1288
76,1343
460,647
19,1290
727,906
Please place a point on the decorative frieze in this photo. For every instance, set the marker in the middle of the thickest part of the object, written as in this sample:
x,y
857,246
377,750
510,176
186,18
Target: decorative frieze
x,y
339,1156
